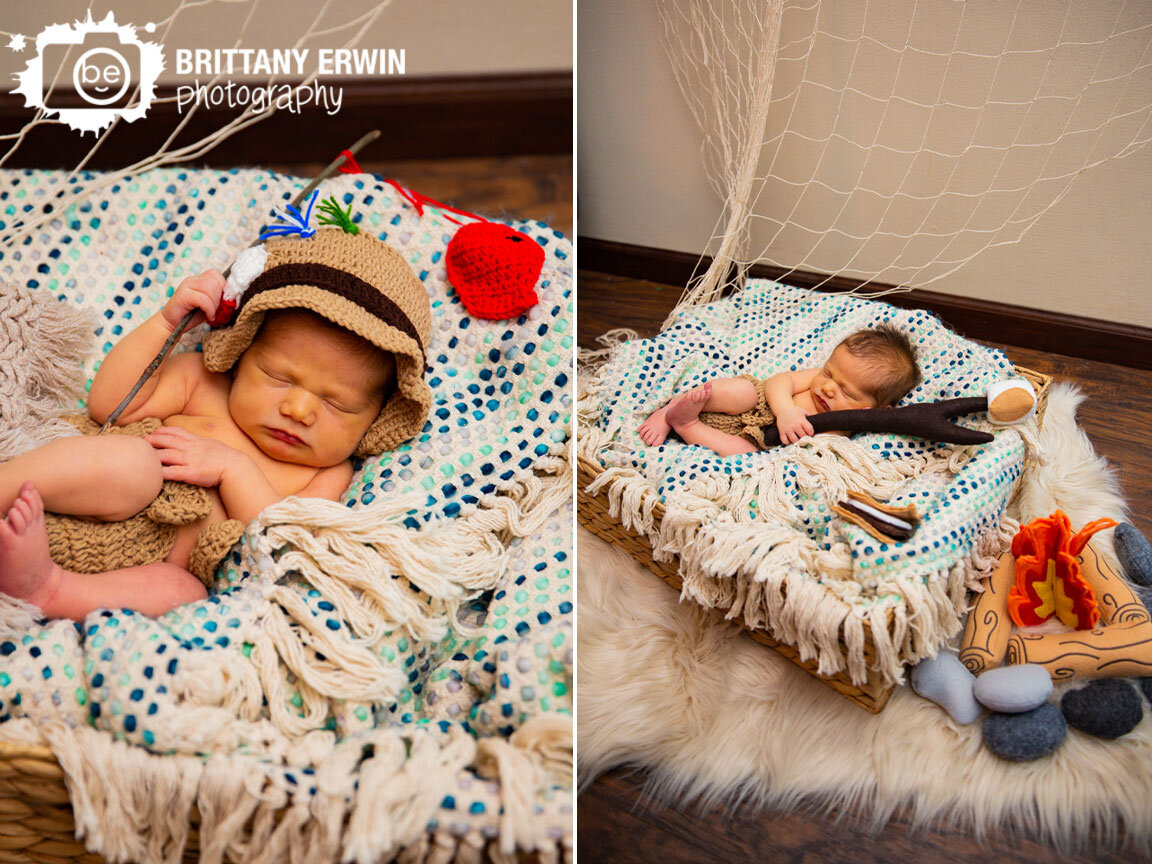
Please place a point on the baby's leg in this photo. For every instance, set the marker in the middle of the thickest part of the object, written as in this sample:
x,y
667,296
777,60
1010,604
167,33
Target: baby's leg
x,y
28,573
107,477
731,396
725,395
684,417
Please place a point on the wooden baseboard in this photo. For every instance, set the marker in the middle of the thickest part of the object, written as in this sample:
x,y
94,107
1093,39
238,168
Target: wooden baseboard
x,y
421,118
1039,329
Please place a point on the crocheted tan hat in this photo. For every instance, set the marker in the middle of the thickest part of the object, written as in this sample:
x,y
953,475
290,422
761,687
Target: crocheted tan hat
x,y
355,281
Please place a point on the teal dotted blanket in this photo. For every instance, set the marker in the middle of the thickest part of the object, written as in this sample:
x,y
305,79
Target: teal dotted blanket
x,y
417,634
755,534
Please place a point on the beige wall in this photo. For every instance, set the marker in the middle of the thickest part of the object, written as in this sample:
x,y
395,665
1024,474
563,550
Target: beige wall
x,y
440,37
641,178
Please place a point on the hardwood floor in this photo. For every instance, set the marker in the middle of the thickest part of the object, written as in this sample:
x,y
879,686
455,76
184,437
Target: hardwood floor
x,y
618,823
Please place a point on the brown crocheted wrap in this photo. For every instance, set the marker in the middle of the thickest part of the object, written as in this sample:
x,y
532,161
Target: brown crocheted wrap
x,y
747,425
92,546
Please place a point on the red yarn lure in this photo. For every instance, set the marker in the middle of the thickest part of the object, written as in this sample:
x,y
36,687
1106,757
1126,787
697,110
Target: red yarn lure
x,y
493,268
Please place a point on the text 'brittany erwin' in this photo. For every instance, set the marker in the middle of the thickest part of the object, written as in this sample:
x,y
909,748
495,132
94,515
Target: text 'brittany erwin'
x,y
289,61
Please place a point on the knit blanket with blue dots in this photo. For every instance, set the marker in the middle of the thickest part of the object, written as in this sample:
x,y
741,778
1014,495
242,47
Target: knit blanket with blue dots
x,y
396,667
744,527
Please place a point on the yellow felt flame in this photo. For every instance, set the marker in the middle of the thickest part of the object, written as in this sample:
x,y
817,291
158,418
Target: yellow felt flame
x,y
1046,592
1053,598
1064,604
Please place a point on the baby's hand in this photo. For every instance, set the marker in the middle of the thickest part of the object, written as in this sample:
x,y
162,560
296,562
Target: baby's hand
x,y
201,292
192,458
793,425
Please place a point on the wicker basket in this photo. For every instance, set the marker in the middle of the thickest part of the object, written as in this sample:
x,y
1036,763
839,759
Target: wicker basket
x,y
36,823
593,513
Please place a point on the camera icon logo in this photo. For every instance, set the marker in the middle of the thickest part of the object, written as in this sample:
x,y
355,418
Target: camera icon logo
x,y
89,73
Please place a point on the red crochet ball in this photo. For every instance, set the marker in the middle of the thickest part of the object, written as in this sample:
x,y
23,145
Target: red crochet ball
x,y
494,269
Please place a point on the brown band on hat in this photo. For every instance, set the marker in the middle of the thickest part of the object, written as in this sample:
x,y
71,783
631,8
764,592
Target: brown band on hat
x,y
339,282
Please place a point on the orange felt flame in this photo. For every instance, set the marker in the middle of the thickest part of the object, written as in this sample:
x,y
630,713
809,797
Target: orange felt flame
x,y
1048,580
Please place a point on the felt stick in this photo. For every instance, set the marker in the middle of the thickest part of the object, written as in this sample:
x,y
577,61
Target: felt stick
x,y
331,169
1116,602
886,523
1116,651
988,627
924,420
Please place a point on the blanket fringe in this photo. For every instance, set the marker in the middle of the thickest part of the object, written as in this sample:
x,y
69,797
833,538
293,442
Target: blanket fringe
x,y
737,553
43,346
366,563
538,755
373,798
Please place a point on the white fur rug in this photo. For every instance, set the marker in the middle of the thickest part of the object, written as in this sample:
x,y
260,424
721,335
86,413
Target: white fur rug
x,y
714,716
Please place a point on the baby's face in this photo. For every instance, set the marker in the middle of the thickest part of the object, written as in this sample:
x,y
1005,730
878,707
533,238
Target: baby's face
x,y
841,385
302,397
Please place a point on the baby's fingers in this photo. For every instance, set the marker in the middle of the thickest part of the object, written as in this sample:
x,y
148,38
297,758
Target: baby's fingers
x,y
172,457
167,436
176,472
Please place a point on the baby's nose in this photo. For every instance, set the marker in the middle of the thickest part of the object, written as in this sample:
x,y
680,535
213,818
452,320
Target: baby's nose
x,y
299,406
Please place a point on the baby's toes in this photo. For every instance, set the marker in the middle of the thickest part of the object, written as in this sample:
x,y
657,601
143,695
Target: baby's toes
x,y
18,517
31,495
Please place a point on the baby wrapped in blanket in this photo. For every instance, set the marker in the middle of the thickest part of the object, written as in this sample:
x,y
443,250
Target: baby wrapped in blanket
x,y
870,368
324,359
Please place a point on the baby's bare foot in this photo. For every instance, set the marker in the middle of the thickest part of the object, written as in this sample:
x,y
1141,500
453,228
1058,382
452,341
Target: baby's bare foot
x,y
654,431
686,410
26,569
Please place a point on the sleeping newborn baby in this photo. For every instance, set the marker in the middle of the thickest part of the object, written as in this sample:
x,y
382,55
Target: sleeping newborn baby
x,y
868,369
324,359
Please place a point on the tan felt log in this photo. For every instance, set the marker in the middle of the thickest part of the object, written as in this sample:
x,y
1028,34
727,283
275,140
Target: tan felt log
x,y
1115,651
1115,600
988,627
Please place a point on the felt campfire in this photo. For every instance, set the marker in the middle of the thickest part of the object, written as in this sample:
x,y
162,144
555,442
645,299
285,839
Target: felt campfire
x,y
1048,576
1034,578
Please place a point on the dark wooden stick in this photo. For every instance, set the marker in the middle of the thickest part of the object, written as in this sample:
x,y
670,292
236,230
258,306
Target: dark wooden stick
x,y
924,420
331,169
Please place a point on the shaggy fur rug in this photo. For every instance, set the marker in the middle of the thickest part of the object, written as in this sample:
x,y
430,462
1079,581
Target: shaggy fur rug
x,y
714,716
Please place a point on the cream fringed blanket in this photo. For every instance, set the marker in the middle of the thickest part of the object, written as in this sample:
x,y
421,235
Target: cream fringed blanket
x,y
388,675
711,716
755,534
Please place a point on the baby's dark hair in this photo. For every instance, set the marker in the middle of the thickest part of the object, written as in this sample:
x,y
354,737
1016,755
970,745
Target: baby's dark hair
x,y
891,355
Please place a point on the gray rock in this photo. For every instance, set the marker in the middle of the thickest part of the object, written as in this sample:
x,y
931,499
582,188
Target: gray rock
x,y
1134,552
1013,689
1026,736
1106,708
948,683
1145,595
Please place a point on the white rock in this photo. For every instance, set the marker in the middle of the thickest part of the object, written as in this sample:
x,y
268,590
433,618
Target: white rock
x,y
1013,689
948,683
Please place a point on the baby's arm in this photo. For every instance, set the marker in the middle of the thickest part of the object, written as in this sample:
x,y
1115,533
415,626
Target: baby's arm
x,y
168,391
246,492
780,390
244,489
